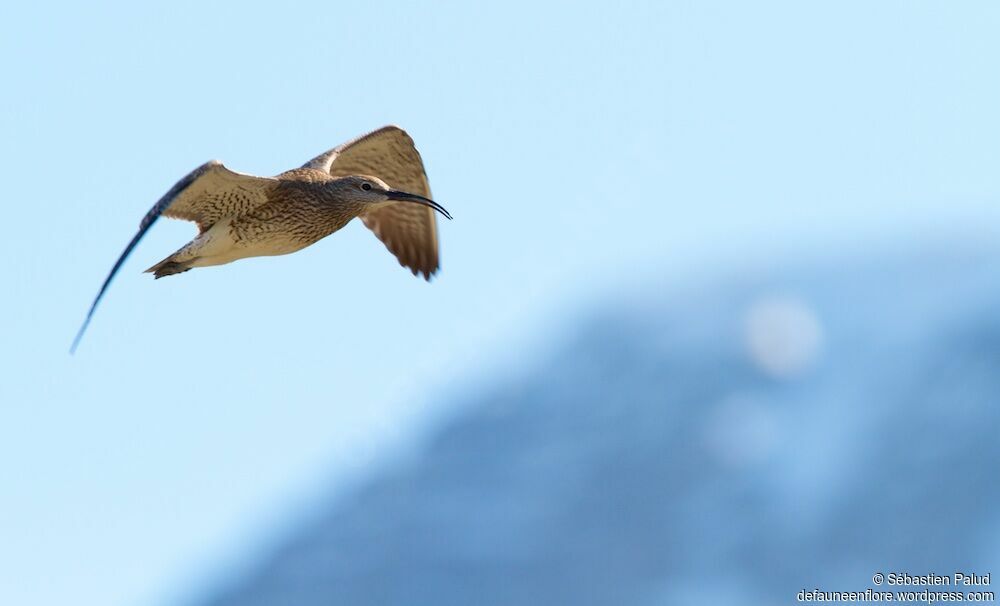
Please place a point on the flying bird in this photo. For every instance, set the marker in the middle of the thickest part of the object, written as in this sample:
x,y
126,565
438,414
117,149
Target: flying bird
x,y
379,177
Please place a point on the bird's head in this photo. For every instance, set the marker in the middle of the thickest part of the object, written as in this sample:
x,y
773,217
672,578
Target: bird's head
x,y
373,191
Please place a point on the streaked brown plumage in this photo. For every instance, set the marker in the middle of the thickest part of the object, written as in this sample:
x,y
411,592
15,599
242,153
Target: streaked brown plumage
x,y
378,177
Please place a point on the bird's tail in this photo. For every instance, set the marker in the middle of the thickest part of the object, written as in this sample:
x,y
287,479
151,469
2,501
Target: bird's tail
x,y
169,267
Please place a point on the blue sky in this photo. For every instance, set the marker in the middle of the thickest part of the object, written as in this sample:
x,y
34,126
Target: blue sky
x,y
585,149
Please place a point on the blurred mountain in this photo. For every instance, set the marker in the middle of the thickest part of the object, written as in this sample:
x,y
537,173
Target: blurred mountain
x,y
786,430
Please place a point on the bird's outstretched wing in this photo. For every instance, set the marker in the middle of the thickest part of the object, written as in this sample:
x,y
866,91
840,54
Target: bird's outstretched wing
x,y
409,231
211,192
204,196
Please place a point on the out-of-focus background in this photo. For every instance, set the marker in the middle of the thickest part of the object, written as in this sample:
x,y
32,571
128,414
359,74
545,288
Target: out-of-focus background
x,y
718,319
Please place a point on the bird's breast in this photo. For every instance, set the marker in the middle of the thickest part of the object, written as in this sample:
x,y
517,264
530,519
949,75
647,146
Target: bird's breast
x,y
283,228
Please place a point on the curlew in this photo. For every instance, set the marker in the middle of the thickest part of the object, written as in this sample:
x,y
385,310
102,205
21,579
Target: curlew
x,y
378,177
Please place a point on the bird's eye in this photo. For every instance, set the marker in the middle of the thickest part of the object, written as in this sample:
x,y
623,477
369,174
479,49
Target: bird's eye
x,y
366,186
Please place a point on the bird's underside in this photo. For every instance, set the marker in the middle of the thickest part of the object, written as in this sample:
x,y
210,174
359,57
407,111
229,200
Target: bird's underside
x,y
240,215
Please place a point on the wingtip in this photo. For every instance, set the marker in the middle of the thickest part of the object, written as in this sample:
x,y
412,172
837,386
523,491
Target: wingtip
x,y
79,336
421,272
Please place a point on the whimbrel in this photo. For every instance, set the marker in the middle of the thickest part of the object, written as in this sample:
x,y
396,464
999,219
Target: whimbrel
x,y
378,177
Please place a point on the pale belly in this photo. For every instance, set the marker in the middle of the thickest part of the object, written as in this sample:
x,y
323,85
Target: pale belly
x,y
223,244
233,253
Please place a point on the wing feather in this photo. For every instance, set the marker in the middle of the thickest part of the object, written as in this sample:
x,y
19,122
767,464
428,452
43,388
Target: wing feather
x,y
204,196
408,230
212,192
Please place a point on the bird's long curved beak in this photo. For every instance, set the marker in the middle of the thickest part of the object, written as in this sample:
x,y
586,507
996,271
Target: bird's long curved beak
x,y
407,197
